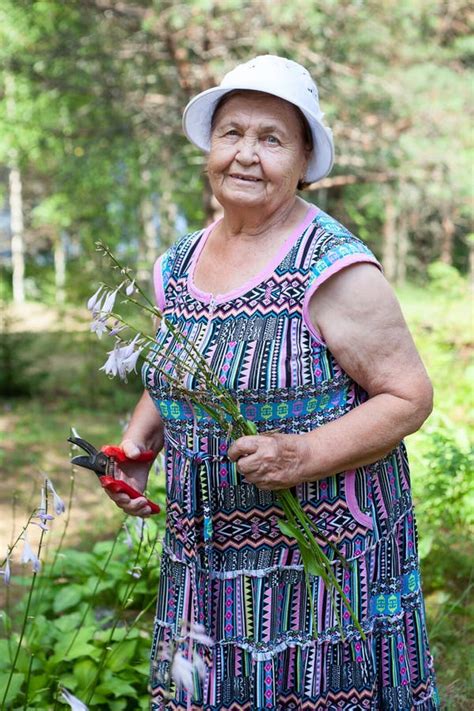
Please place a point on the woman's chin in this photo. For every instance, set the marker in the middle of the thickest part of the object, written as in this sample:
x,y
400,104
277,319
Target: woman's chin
x,y
245,197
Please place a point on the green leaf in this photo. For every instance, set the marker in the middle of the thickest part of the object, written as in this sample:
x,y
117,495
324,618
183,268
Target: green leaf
x,y
67,597
4,654
67,623
116,687
38,683
15,686
84,672
286,528
69,681
117,704
310,564
121,654
118,634
425,545
143,668
83,649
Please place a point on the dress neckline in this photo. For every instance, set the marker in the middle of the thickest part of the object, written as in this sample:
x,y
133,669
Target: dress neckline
x,y
207,297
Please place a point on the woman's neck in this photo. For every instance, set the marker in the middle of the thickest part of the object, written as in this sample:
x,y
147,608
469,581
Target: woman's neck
x,y
252,224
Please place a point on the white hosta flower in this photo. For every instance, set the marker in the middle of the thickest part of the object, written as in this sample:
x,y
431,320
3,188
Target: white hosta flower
x,y
6,571
130,288
28,556
122,359
182,672
74,703
109,301
41,525
116,328
130,363
93,303
42,507
58,503
43,516
135,572
140,525
99,326
128,539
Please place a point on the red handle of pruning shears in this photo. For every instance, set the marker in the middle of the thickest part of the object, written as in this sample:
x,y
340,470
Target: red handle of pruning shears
x,y
118,486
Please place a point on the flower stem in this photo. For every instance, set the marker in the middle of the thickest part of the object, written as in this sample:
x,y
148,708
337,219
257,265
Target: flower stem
x,y
27,608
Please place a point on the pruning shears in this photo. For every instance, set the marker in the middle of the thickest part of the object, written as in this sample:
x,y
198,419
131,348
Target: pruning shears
x,y
103,462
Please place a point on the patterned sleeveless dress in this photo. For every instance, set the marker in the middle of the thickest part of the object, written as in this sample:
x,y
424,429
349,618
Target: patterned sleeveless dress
x,y
225,563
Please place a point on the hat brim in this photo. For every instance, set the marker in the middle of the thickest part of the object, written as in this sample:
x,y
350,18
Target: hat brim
x,y
198,115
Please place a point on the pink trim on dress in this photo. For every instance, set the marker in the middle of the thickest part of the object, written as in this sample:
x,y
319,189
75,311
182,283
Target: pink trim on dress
x,y
158,284
329,272
352,503
258,278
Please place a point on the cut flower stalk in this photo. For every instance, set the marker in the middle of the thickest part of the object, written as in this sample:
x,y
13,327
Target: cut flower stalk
x,y
219,404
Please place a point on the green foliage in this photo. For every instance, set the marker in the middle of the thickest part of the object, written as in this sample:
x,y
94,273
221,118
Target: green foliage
x,y
442,464
93,99
445,279
89,628
449,484
15,361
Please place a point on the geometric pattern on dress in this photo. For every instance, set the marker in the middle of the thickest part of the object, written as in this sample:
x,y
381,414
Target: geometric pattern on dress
x,y
225,563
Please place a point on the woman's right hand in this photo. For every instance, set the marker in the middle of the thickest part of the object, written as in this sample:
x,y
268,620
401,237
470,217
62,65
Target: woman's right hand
x,y
134,473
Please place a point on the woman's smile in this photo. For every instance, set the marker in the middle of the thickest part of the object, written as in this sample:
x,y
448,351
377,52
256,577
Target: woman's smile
x,y
242,178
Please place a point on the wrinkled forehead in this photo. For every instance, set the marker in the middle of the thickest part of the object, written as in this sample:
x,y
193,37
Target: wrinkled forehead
x,y
240,101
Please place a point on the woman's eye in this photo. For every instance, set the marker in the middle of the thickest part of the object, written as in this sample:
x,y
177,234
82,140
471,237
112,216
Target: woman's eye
x,y
232,132
272,140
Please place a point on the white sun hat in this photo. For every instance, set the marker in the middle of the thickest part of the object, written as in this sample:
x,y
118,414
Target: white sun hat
x,y
276,76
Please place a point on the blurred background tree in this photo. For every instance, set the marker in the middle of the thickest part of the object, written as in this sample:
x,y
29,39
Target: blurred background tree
x,y
91,142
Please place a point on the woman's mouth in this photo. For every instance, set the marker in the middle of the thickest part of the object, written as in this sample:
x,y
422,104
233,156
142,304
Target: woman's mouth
x,y
244,178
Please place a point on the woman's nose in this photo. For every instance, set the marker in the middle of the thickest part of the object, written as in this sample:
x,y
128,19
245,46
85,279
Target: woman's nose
x,y
247,151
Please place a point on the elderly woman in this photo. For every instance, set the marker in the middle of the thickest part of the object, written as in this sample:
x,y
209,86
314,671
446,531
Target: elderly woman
x,y
295,316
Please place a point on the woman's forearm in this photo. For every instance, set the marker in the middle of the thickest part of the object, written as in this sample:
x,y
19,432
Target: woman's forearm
x,y
363,435
146,426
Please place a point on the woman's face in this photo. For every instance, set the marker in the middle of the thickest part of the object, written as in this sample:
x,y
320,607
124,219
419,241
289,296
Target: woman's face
x,y
257,152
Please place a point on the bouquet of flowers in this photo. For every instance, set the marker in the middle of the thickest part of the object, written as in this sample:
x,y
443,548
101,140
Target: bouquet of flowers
x,y
217,401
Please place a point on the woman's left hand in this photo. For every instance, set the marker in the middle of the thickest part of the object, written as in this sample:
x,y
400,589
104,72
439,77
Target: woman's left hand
x,y
273,461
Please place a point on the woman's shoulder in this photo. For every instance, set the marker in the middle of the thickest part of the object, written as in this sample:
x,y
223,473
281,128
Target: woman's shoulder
x,y
334,248
334,240
182,245
179,252
173,262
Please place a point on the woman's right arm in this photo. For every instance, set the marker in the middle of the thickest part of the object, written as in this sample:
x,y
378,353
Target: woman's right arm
x,y
145,431
145,428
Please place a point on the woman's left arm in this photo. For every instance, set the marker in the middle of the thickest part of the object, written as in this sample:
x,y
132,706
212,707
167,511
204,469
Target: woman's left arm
x,y
360,320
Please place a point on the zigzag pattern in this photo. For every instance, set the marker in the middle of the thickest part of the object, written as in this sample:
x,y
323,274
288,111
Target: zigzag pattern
x,y
225,562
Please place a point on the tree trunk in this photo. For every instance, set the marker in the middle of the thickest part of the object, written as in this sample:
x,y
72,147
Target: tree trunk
x,y
147,244
16,228
389,255
16,204
60,270
447,240
403,246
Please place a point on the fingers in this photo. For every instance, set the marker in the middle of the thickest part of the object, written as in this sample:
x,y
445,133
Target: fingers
x,y
243,446
130,449
248,464
133,507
